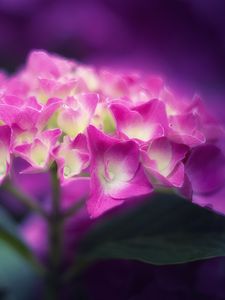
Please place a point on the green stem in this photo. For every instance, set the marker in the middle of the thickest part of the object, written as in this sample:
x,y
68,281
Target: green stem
x,y
55,221
55,239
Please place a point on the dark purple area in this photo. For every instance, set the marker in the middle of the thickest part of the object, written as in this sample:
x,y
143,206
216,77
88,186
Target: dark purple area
x,y
130,280
182,38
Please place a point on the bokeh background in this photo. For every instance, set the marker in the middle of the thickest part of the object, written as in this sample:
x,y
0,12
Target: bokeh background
x,y
184,42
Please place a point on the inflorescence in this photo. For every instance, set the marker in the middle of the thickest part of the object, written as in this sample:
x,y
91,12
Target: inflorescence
x,y
126,133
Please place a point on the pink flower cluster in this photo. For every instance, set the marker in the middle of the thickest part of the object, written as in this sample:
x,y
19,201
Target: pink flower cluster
x,y
125,133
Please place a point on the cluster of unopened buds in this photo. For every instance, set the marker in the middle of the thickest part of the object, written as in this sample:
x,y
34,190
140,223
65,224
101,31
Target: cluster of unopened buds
x,y
125,133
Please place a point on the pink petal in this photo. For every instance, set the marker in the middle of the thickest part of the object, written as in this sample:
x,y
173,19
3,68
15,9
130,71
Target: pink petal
x,y
80,143
32,102
176,178
5,138
75,190
98,141
184,129
124,157
206,169
40,62
142,122
138,186
162,161
50,136
8,113
125,117
98,203
89,102
72,157
48,110
13,100
20,136
26,118
5,135
153,111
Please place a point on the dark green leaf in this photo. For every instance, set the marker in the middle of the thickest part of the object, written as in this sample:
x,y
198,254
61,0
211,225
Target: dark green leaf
x,y
9,234
17,275
165,229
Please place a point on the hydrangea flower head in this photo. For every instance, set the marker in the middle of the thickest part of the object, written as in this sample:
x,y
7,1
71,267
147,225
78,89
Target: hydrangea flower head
x,y
126,132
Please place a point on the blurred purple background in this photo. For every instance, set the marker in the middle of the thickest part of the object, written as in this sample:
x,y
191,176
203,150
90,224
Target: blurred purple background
x,y
182,40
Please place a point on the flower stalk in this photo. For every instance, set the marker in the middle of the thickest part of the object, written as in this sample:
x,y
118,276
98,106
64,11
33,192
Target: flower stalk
x,y
55,220
55,231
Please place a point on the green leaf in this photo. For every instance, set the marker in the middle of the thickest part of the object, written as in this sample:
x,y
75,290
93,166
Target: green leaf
x,y
17,277
17,273
10,236
163,230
